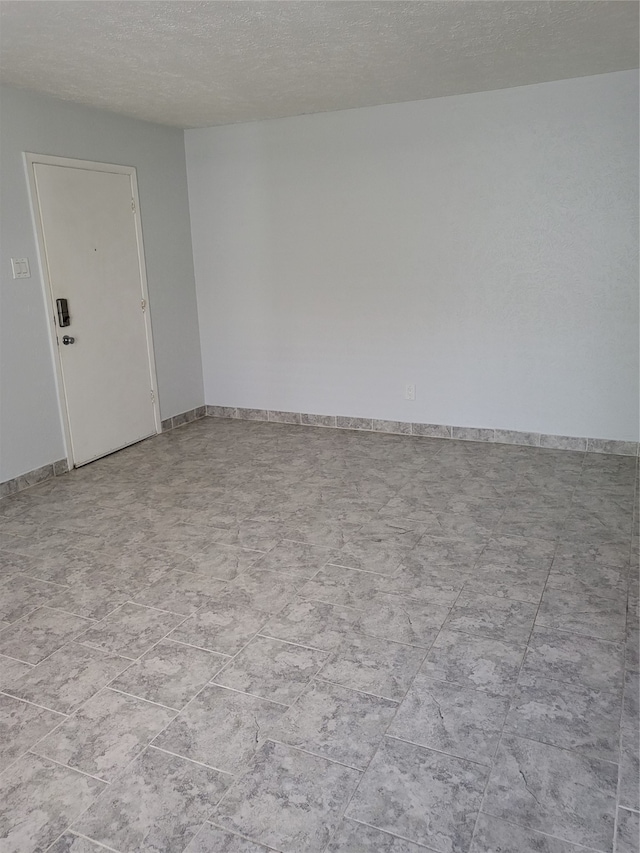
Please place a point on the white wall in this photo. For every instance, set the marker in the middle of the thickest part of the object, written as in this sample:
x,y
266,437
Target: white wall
x,y
30,427
481,246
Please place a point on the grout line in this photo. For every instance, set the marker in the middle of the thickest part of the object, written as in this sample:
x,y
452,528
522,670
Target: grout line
x,y
66,766
214,683
313,754
86,838
392,835
151,745
134,696
487,766
319,680
171,639
545,834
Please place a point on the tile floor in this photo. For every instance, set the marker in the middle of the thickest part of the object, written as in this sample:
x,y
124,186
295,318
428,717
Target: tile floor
x,y
254,637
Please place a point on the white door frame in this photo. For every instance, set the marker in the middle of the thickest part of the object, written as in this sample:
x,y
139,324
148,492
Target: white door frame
x,y
30,160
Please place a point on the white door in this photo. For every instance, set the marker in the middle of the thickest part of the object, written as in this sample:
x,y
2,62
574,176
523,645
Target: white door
x,y
92,256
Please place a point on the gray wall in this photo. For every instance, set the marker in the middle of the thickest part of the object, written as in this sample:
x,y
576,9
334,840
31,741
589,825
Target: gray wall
x,y
481,246
30,426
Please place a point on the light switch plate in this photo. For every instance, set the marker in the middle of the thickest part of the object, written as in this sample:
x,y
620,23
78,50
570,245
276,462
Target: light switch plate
x,y
20,267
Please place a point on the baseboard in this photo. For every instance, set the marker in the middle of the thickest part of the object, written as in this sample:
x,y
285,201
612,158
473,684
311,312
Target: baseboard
x,y
493,436
184,418
32,478
38,475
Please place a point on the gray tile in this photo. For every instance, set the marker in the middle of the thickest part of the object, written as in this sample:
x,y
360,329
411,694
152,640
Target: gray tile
x,y
313,624
38,475
157,804
430,586
318,528
211,839
352,837
21,726
180,592
517,583
252,414
398,427
495,836
344,586
318,420
170,673
492,617
620,448
573,659
404,621
544,524
585,525
431,430
452,719
294,558
37,635
374,666
627,831
512,568
566,715
628,788
105,734
266,591
221,728
224,511
434,554
256,808
553,791
424,796
632,647
70,843
510,436
353,423
10,669
472,434
93,597
13,564
21,595
138,565
417,509
40,799
272,669
583,613
67,678
590,579
130,631
603,554
380,552
250,534
179,420
221,411
284,417
563,442
224,562
335,723
477,662
224,625
183,539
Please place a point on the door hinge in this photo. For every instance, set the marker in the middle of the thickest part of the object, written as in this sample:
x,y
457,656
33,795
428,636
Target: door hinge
x,y
133,205
153,397
143,304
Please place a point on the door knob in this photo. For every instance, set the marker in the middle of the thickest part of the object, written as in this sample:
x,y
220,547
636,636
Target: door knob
x,y
67,339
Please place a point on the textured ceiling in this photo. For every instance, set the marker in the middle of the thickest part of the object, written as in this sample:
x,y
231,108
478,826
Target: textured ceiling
x,y
195,64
